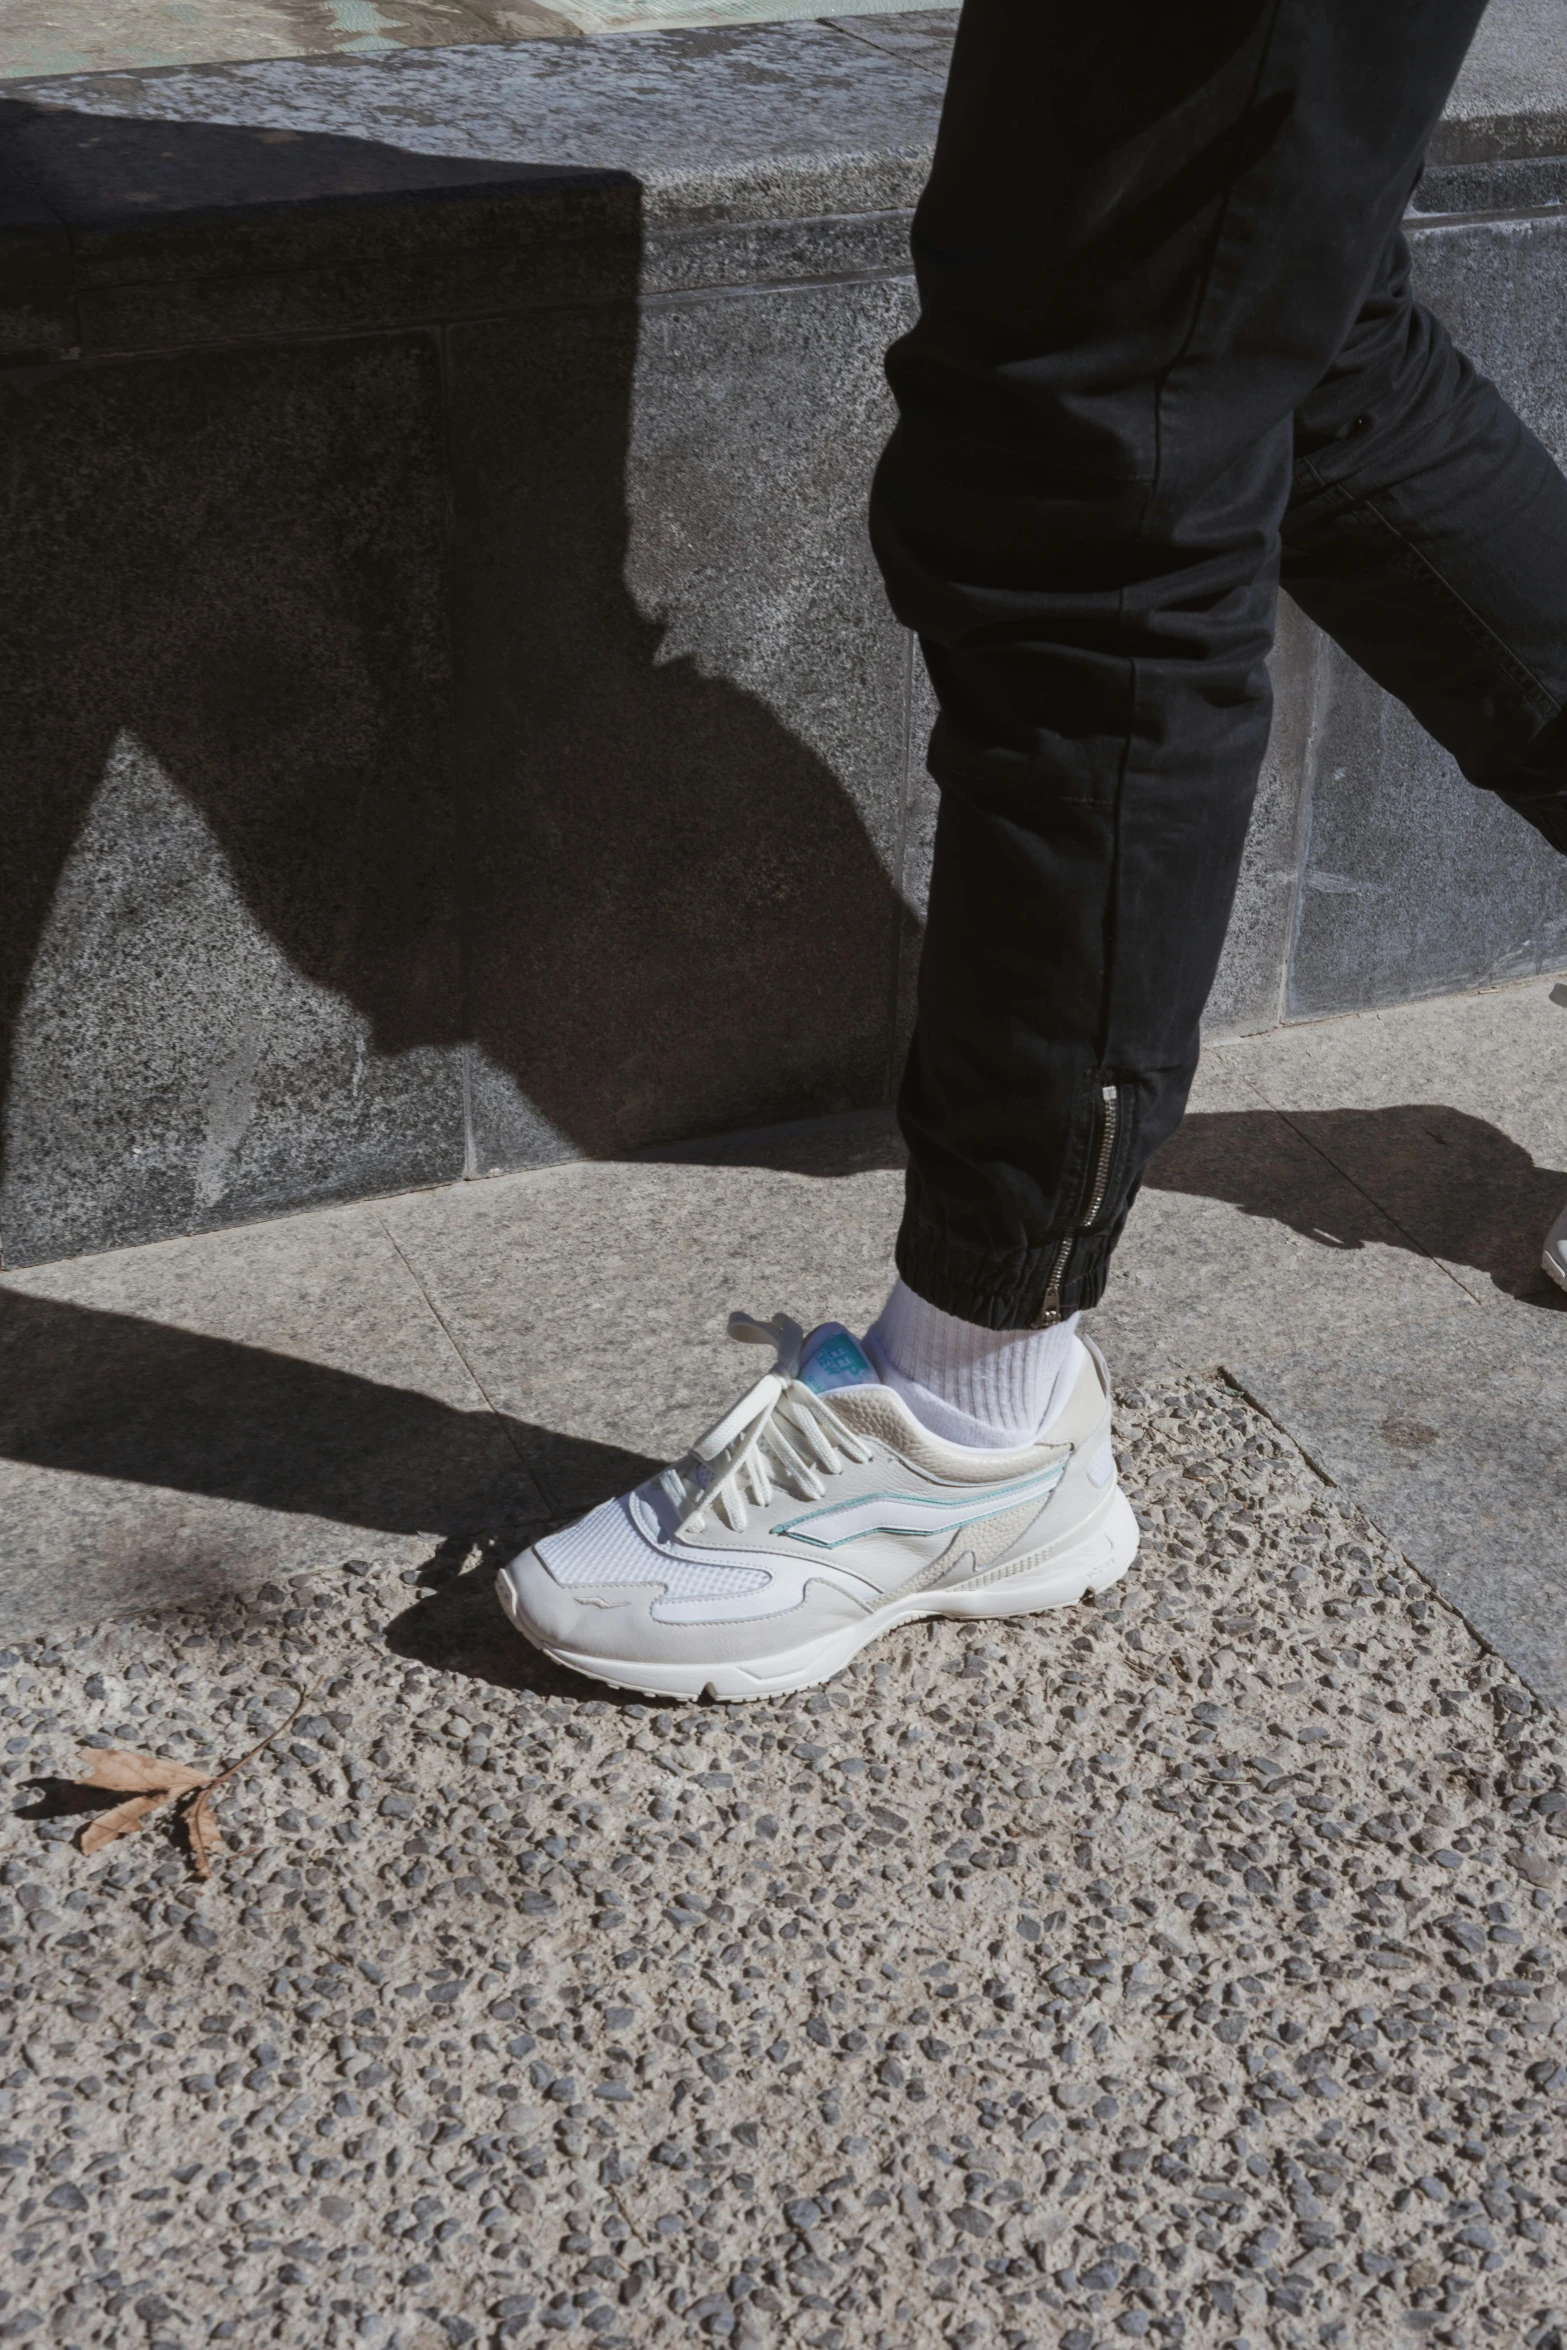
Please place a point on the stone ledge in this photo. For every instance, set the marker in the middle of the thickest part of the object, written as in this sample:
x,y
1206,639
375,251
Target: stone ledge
x,y
314,195
765,122
1510,99
1464,190
447,163
228,202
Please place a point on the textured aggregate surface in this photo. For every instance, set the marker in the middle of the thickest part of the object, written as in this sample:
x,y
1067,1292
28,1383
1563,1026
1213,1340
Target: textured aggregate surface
x,y
1181,1967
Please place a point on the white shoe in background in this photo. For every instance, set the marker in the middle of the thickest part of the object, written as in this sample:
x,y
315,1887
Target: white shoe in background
x,y
815,1516
1555,1257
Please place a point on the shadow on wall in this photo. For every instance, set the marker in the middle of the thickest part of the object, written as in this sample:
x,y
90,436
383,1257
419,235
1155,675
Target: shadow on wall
x,y
1432,1179
361,599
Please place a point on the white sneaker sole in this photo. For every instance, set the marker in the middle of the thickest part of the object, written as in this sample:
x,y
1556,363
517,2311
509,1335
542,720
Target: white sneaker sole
x,y
1091,1561
1557,1272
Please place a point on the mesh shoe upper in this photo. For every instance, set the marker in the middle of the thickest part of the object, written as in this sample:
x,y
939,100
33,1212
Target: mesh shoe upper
x,y
608,1546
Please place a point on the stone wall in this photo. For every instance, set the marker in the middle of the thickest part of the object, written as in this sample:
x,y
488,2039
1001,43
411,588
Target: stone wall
x,y
452,717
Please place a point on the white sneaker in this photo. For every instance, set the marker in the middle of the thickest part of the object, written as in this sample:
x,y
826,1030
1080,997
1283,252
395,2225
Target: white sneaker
x,y
815,1516
1555,1257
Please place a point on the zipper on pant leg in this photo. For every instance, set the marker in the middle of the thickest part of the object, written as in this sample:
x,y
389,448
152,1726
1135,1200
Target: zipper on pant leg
x,y
1109,1124
1104,1160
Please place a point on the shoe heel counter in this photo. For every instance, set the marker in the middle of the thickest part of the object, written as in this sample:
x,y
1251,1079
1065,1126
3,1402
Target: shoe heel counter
x,y
1091,1476
1079,1419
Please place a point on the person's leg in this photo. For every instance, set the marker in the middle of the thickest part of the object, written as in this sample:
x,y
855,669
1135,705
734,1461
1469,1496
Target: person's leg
x,y
1427,533
1147,233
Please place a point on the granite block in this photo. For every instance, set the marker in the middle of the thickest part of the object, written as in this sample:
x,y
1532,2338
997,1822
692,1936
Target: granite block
x,y
161,235
1500,288
1449,1436
37,314
344,294
1414,882
687,766
771,252
851,1143
230,964
188,232
759,120
202,207
149,194
1524,184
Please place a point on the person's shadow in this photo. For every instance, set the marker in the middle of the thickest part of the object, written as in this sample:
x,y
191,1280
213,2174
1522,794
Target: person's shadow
x,y
358,596
355,593
1417,1175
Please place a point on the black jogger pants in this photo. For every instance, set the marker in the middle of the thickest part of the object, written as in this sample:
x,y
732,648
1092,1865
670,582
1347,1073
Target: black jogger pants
x,y
1167,354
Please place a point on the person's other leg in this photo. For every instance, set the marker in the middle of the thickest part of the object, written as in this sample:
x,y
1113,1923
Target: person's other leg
x,y
1427,533
1146,235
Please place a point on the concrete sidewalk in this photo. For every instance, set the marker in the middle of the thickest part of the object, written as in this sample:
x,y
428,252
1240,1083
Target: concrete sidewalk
x,y
1349,1223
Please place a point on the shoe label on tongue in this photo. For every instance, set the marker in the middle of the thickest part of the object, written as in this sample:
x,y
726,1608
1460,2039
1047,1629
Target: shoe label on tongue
x,y
834,1359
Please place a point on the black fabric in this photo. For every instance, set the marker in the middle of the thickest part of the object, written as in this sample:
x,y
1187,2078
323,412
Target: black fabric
x,y
1167,350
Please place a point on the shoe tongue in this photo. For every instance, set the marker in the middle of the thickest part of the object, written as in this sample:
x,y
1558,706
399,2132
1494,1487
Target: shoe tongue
x,y
832,1359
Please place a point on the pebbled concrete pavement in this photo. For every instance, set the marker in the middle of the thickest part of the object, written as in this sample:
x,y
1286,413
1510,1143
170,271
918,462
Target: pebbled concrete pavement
x,y
1183,1967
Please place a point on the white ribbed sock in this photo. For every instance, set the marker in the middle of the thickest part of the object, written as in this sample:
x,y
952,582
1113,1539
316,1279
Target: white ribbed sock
x,y
989,1388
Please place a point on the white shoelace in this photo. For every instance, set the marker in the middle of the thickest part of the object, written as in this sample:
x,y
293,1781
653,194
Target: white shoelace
x,y
757,1447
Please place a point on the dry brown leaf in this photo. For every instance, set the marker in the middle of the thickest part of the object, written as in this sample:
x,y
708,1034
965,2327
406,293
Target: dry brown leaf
x,y
151,1782
120,1821
202,1828
129,1773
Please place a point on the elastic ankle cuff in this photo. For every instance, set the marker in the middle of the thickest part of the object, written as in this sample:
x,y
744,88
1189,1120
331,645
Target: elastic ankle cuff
x,y
1005,1290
